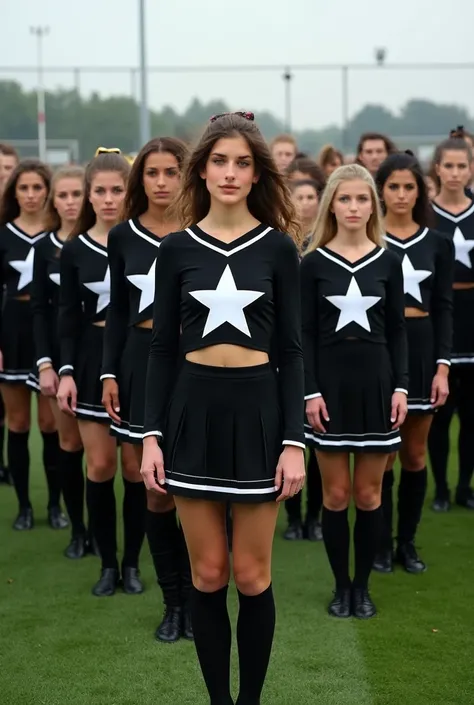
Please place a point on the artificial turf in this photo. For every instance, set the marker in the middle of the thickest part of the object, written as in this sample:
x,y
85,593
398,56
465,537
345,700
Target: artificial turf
x,y
58,644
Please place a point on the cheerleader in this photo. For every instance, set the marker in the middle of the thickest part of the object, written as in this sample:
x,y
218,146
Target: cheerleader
x,y
8,162
454,212
132,248
84,297
21,226
355,357
329,159
427,261
62,208
283,149
373,149
231,429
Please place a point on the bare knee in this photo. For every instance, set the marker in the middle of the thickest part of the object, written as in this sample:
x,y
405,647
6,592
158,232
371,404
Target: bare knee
x,y
159,504
18,423
211,572
413,456
251,576
100,467
130,466
337,497
46,420
368,496
70,443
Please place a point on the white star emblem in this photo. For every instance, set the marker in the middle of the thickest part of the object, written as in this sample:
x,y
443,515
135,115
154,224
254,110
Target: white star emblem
x,y
353,306
25,267
145,282
226,304
102,289
55,278
412,278
462,248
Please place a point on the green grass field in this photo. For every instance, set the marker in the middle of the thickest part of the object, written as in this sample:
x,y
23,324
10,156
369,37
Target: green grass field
x,y
60,645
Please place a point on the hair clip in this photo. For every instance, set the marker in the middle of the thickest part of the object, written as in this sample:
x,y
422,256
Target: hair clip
x,y
104,150
247,115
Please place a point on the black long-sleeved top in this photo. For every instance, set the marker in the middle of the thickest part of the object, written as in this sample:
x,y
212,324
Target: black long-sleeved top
x,y
132,252
239,293
45,298
342,299
428,266
16,262
461,229
84,293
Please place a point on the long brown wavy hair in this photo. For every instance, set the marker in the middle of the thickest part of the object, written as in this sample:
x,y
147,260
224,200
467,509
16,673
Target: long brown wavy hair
x,y
52,221
269,201
9,208
136,201
105,161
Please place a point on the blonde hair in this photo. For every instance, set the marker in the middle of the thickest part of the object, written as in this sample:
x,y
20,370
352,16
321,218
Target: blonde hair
x,y
52,220
325,227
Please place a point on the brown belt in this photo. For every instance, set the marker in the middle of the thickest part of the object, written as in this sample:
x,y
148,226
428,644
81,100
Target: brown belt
x,y
413,312
463,285
145,324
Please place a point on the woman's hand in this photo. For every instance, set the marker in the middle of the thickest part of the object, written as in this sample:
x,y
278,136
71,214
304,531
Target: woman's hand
x,y
316,412
153,469
291,472
49,382
440,387
110,398
67,395
399,409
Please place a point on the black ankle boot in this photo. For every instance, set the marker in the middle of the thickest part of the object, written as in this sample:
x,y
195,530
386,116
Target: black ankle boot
x,y
76,548
408,557
314,531
56,518
465,498
340,605
24,520
132,584
294,531
186,624
108,583
441,504
169,630
383,562
362,605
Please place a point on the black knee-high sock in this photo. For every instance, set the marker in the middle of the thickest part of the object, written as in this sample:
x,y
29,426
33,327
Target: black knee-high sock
x,y
466,425
103,519
366,540
411,496
314,487
438,447
134,508
51,467
72,483
2,432
186,582
19,465
163,539
336,535
386,542
255,629
213,638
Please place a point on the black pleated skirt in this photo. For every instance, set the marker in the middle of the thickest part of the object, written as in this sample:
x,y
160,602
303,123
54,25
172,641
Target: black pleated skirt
x,y
131,381
357,385
421,365
223,435
87,376
17,346
463,327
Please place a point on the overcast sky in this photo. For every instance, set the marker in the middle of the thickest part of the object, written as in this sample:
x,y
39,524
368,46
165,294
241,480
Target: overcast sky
x,y
244,32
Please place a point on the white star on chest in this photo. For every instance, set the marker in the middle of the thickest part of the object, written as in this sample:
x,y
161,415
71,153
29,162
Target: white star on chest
x,y
226,303
25,267
146,283
102,289
353,306
55,278
412,278
462,248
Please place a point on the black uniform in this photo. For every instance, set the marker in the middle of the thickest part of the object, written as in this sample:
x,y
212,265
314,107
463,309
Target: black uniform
x,y
84,297
355,347
428,263
17,254
223,429
45,304
132,251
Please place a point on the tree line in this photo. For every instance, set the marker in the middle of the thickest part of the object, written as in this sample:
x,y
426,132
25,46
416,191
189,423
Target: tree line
x,y
95,120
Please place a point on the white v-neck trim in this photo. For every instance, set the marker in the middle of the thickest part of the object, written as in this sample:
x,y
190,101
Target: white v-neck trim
x,y
92,246
406,245
449,216
227,253
56,241
142,234
347,266
26,238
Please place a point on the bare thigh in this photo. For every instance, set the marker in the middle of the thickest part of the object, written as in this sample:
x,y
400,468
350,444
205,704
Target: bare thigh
x,y
68,430
336,479
157,503
414,433
100,449
369,469
17,401
46,420
252,543
204,526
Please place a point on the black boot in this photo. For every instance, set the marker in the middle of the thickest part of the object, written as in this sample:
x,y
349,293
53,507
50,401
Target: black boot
x,y
384,561
5,478
441,504
314,531
340,605
132,584
76,548
408,557
362,605
107,583
169,629
24,520
465,498
56,518
294,532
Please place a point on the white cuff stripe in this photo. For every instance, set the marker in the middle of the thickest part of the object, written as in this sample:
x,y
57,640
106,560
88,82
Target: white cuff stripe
x,y
43,359
107,377
294,443
65,367
313,396
400,389
444,362
152,433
